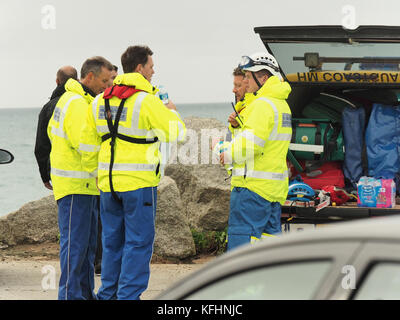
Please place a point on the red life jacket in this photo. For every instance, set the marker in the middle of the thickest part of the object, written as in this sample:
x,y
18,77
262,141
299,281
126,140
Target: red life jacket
x,y
120,91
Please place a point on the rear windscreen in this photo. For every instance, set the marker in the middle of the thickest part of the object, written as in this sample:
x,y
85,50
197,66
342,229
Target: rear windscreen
x,y
339,62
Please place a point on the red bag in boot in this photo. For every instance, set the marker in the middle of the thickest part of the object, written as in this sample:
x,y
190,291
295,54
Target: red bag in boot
x,y
329,174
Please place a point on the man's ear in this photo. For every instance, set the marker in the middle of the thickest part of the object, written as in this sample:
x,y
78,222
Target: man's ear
x,y
265,78
139,68
90,76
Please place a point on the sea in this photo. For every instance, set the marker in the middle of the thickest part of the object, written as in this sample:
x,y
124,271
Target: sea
x,y
20,180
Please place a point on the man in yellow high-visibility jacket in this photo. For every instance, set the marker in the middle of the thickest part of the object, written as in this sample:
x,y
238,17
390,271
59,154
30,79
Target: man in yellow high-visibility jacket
x,y
74,189
120,141
258,154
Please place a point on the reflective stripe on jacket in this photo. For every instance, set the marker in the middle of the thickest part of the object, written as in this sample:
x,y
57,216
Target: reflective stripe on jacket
x,y
259,150
143,116
64,129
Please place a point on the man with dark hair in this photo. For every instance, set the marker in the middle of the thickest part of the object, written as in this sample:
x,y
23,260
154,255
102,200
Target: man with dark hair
x,y
43,145
75,190
91,70
120,142
135,56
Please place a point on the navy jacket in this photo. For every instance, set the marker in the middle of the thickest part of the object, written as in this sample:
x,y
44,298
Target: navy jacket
x,y
43,145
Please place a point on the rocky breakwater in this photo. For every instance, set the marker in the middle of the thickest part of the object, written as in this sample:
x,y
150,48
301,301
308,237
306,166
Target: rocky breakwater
x,y
203,183
193,195
34,222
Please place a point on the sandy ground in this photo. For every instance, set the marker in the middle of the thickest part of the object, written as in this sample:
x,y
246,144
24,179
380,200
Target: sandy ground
x,y
32,272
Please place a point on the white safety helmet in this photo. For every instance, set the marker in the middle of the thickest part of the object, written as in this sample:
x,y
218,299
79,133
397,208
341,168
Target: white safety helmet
x,y
260,61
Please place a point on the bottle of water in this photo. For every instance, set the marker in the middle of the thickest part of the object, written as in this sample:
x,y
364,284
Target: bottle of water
x,y
163,94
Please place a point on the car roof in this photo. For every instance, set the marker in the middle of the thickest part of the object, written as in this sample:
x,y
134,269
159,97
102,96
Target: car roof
x,y
382,229
371,229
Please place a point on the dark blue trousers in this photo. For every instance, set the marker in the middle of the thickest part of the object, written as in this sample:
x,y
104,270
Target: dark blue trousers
x,y
77,222
127,239
251,216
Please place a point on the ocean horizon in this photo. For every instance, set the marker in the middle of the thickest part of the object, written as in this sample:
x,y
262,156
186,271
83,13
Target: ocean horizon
x,y
20,181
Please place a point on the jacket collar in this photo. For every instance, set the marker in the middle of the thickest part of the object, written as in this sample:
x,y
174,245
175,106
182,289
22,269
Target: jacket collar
x,y
87,90
136,80
245,101
76,87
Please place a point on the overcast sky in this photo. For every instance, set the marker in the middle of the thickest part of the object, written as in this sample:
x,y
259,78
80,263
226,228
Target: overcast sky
x,y
196,44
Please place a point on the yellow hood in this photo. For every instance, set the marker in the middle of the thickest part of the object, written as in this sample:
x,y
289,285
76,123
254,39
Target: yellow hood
x,y
136,80
275,88
74,86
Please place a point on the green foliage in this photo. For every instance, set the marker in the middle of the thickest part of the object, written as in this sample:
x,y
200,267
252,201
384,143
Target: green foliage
x,y
210,242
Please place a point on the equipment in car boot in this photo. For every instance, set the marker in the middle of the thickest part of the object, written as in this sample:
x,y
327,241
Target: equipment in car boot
x,y
327,106
337,195
382,141
330,173
355,159
317,139
300,191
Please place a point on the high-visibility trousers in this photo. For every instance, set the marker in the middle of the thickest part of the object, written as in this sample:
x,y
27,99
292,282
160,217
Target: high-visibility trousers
x,y
127,239
77,222
251,217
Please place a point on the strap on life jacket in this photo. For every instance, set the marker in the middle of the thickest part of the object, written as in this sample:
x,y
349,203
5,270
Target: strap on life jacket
x,y
122,92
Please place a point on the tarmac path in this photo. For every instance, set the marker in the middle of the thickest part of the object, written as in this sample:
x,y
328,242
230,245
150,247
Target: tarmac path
x,y
38,280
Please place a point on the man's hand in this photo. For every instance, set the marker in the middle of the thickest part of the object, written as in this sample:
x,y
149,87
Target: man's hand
x,y
170,105
48,185
221,159
232,120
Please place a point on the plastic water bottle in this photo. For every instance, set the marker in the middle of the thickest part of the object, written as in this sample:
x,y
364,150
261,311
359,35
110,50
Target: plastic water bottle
x,y
163,94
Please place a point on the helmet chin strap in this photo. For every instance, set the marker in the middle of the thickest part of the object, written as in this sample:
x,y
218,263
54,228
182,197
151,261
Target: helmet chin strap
x,y
256,80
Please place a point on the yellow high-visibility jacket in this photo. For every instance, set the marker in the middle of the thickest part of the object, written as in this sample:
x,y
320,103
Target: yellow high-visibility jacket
x,y
242,107
242,110
64,130
144,116
260,148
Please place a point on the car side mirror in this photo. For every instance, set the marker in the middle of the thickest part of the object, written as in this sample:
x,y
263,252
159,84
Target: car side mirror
x,y
6,157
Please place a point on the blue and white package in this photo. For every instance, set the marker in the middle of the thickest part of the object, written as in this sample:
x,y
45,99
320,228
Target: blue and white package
x,y
367,190
376,193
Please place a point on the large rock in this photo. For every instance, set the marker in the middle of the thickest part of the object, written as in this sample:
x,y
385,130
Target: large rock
x,y
203,183
34,222
205,194
173,236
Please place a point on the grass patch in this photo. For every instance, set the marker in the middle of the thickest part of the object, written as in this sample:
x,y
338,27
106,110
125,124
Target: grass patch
x,y
210,242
